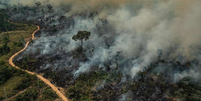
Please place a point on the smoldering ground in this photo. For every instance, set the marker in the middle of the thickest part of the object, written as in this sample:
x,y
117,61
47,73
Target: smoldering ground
x,y
132,34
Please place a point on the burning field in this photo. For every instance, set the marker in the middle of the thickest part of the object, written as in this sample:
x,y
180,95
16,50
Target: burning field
x,y
137,50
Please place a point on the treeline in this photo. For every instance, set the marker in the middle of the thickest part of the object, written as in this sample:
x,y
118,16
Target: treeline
x,y
5,25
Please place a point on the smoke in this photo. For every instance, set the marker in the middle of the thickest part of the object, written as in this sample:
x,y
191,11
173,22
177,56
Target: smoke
x,y
191,73
159,29
126,97
130,33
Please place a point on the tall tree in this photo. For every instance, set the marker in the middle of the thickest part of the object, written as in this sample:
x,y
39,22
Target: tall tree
x,y
82,35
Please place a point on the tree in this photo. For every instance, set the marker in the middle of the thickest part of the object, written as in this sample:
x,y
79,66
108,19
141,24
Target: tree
x,y
81,35
49,8
5,38
4,23
4,49
38,4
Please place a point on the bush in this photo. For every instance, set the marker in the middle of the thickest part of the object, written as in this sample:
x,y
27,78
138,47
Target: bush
x,y
81,91
29,95
5,72
4,24
5,49
191,98
49,94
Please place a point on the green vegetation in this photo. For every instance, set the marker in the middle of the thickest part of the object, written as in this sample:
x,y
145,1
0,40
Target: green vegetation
x,y
33,93
29,95
16,80
189,90
84,88
82,91
27,63
4,24
5,49
12,39
81,35
10,42
186,89
5,72
48,94
13,80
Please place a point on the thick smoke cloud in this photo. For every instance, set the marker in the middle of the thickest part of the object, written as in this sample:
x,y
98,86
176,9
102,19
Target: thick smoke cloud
x,y
134,34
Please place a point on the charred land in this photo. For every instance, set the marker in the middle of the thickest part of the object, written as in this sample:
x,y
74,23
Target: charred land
x,y
114,51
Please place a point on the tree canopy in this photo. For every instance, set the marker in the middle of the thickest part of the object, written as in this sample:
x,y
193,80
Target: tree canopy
x,y
4,24
82,35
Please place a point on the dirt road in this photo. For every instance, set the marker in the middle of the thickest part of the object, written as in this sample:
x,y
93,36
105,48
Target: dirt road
x,y
54,88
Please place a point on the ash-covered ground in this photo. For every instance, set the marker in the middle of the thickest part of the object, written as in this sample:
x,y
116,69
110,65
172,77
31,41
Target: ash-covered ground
x,y
137,50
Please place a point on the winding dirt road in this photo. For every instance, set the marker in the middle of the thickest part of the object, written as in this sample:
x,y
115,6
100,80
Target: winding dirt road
x,y
32,73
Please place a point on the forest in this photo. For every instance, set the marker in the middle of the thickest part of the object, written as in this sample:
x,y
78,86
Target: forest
x,y
105,50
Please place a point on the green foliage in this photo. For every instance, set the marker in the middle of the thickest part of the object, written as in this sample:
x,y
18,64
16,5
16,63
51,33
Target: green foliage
x,y
30,94
188,89
5,38
12,79
81,35
14,43
5,49
20,42
2,63
81,91
25,83
48,93
5,72
27,63
4,24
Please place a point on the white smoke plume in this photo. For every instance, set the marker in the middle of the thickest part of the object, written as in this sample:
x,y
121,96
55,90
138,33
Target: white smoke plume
x,y
135,29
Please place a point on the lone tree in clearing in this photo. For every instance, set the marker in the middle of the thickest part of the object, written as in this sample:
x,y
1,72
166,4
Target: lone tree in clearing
x,y
81,35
